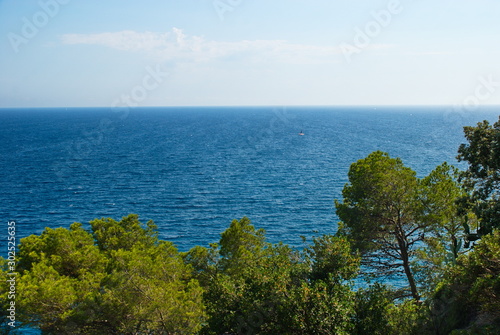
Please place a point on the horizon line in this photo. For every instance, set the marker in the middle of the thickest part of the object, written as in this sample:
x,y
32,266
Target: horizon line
x,y
259,106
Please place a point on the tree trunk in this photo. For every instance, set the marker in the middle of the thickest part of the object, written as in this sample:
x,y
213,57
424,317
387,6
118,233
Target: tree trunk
x,y
406,265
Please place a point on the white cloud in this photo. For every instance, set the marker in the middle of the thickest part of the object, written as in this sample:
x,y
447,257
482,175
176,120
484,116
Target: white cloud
x,y
122,40
177,46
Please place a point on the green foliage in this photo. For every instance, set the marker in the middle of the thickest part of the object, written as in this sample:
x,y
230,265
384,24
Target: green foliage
x,y
255,287
402,224
204,261
152,290
482,178
125,281
444,236
439,192
240,245
248,276
407,318
380,215
332,258
125,234
377,312
71,252
121,279
321,301
380,192
468,298
320,307
372,311
60,269
47,298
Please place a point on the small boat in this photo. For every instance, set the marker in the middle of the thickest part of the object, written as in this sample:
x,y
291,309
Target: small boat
x,y
301,133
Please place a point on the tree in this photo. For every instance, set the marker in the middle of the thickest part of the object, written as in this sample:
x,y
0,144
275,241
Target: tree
x,y
317,307
59,272
125,234
407,317
482,178
71,252
240,244
151,290
445,238
468,297
332,258
372,306
323,302
380,215
255,287
440,192
121,279
244,278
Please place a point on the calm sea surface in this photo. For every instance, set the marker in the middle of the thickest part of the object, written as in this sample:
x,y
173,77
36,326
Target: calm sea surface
x,y
193,170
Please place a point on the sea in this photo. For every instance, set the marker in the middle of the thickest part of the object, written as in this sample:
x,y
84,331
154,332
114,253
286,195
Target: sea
x,y
192,170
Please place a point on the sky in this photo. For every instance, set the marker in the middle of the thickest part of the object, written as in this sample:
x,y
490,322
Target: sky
x,y
89,53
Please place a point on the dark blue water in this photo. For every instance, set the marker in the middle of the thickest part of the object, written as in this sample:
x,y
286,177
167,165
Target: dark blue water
x,y
193,170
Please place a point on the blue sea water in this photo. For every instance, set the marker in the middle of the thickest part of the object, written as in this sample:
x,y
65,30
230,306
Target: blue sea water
x,y
193,170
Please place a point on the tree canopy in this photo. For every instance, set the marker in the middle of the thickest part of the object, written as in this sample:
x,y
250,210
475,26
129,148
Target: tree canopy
x,y
482,177
119,279
380,215
401,224
256,287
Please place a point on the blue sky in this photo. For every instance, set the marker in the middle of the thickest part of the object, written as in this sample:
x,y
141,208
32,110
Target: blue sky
x,y
65,53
